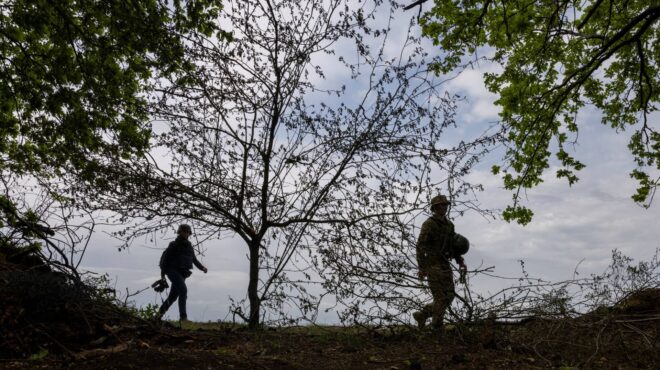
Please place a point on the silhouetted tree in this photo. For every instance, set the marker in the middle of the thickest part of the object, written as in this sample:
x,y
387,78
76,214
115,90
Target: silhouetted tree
x,y
269,141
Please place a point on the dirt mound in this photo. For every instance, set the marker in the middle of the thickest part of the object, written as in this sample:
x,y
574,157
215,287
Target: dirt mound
x,y
47,312
641,302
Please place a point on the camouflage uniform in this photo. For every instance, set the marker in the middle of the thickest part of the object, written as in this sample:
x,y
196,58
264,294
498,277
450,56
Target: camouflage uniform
x,y
433,260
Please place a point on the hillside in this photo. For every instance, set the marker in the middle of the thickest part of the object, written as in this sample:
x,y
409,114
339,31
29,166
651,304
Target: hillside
x,y
49,321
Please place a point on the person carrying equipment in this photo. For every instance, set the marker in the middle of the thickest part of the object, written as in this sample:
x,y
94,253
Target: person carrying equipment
x,y
437,244
176,262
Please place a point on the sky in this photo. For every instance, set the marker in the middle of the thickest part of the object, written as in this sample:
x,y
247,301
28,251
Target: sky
x,y
574,226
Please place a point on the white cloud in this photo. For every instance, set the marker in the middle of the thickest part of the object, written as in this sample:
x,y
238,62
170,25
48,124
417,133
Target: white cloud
x,y
480,103
584,222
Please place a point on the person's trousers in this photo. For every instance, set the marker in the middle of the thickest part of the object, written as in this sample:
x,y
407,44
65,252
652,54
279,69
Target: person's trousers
x,y
178,291
441,284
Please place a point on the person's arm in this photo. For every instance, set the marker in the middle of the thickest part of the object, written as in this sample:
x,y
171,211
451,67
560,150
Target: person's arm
x,y
462,269
199,265
421,248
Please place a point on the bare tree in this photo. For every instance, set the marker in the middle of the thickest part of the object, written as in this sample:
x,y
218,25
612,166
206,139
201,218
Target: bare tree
x,y
270,148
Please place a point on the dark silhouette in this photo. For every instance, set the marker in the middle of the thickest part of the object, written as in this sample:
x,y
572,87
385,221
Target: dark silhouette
x,y
176,262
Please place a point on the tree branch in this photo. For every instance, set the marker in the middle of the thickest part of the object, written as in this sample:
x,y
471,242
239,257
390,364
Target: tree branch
x,y
418,2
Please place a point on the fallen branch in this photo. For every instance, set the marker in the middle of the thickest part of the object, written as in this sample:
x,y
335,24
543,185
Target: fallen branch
x,y
101,351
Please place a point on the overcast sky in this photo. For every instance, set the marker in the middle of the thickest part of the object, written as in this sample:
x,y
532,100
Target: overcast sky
x,y
579,224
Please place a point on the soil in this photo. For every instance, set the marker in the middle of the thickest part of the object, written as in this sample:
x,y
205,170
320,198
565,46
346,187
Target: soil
x,y
465,347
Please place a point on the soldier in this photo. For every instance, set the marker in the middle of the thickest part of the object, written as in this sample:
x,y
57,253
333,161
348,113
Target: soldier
x,y
176,262
433,255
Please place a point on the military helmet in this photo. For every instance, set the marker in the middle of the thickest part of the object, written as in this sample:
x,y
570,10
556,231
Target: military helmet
x,y
460,245
439,199
184,227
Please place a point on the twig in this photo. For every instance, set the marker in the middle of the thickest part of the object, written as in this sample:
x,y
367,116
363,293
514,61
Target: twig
x,y
540,355
637,320
418,2
640,332
600,332
42,331
82,313
102,351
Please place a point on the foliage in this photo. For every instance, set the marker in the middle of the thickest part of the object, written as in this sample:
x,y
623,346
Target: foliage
x,y
264,144
556,58
73,76
148,312
39,355
73,72
623,278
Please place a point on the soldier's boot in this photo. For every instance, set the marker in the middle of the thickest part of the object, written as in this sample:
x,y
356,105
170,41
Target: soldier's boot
x,y
420,318
184,322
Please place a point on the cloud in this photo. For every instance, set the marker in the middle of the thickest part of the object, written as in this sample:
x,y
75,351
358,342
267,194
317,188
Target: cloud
x,y
480,103
584,222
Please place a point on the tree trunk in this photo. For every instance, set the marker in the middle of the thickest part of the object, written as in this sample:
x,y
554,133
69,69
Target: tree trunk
x,y
253,296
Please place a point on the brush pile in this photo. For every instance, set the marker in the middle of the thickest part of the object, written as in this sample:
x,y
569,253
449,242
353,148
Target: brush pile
x,y
43,311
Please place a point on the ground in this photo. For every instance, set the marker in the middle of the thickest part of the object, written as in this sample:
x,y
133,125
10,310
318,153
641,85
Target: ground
x,y
221,346
52,321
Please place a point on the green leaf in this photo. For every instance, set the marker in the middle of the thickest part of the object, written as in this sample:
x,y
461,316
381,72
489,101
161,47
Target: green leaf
x,y
555,58
39,355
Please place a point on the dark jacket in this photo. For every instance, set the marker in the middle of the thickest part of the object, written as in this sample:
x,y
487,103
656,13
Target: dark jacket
x,y
432,244
179,256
